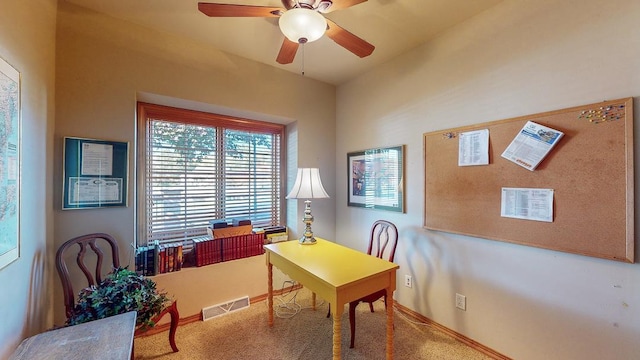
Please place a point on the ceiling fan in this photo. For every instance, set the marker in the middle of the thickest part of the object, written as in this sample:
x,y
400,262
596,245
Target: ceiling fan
x,y
301,21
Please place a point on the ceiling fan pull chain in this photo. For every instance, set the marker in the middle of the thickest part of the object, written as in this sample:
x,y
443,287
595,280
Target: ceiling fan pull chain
x,y
303,59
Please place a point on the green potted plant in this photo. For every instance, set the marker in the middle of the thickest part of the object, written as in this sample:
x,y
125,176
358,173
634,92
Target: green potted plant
x,y
121,291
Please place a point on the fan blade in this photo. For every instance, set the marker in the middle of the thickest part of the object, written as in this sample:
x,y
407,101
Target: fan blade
x,y
348,41
342,4
287,51
231,10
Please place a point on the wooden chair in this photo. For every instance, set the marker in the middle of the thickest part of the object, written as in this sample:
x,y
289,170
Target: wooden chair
x,y
382,244
94,242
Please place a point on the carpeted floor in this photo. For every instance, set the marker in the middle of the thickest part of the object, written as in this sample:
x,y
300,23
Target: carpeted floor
x,y
307,335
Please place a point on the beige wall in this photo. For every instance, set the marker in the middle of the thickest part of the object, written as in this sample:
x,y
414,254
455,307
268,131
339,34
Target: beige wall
x,y
104,65
521,57
27,42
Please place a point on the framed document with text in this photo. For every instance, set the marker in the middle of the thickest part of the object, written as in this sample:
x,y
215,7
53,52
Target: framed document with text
x,y
95,173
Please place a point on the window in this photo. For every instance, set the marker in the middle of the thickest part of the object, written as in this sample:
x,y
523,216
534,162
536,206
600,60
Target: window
x,y
195,167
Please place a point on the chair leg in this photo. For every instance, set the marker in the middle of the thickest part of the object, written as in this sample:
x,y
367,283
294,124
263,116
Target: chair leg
x,y
352,322
329,312
175,317
172,310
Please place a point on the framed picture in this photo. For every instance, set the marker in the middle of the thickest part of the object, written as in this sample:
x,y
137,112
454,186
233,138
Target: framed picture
x,y
376,178
95,173
10,163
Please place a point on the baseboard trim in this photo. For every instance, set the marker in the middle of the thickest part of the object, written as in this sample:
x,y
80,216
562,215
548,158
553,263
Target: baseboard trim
x,y
198,317
456,335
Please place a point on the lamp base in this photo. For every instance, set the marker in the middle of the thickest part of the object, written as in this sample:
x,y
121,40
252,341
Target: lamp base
x,y
307,240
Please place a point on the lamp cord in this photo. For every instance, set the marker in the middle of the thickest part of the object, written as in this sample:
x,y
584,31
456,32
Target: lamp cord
x,y
288,306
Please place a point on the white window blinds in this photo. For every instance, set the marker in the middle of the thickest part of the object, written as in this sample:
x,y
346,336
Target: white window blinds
x,y
200,167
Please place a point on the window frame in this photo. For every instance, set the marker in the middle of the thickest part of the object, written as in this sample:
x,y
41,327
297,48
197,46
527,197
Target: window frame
x,y
147,111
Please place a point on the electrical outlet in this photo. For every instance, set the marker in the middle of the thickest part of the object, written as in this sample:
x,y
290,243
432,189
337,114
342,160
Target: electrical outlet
x,y
461,302
408,281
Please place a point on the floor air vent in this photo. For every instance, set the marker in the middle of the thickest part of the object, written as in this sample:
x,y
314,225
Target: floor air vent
x,y
225,308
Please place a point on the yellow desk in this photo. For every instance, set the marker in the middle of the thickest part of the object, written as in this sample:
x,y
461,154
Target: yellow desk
x,y
338,274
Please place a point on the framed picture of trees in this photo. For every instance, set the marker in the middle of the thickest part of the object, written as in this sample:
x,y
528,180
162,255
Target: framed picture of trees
x,y
10,163
376,178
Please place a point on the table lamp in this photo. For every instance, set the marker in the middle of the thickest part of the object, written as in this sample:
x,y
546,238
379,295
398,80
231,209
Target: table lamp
x,y
308,186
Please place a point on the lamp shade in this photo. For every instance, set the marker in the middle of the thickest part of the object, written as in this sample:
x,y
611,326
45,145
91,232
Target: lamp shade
x,y
308,185
302,25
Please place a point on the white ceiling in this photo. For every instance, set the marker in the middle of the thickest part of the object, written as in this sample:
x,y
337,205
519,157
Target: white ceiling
x,y
392,26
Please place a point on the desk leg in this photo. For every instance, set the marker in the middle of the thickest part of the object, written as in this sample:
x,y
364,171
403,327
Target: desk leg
x,y
389,325
337,336
270,292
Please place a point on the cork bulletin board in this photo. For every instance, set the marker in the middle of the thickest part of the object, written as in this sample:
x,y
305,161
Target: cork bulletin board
x,y
590,171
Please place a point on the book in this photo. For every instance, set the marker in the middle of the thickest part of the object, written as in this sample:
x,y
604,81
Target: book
x,y
230,231
179,257
140,259
256,243
218,224
150,261
201,251
212,251
208,251
216,245
170,258
277,237
240,222
156,257
195,251
274,229
162,259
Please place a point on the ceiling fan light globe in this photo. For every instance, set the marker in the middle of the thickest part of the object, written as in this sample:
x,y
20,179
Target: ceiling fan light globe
x,y
302,25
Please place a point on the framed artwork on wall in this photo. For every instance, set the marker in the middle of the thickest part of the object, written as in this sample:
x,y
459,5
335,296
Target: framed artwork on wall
x,y
376,178
10,163
95,173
